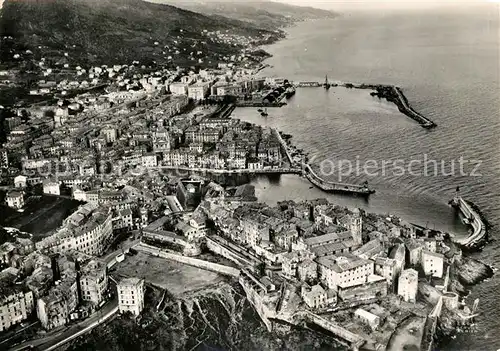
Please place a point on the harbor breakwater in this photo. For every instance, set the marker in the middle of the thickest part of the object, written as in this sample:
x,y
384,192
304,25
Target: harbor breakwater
x,y
471,217
391,93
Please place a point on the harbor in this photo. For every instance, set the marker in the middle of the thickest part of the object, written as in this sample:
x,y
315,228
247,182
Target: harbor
x,y
391,93
307,172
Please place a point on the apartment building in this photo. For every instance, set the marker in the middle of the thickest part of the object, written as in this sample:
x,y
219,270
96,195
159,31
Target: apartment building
x,y
51,188
315,296
88,230
93,281
198,91
4,158
432,263
387,268
16,302
178,88
15,199
131,295
54,309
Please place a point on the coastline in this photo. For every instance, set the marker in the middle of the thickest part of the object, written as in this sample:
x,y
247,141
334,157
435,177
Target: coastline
x,y
473,271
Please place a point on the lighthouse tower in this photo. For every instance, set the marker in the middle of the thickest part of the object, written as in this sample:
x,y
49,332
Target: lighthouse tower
x,y
356,226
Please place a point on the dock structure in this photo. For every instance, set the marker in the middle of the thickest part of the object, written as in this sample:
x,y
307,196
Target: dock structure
x,y
283,144
308,84
335,187
322,184
472,218
260,104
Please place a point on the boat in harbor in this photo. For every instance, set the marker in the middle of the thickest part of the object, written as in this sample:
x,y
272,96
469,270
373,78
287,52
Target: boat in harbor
x,y
326,85
290,91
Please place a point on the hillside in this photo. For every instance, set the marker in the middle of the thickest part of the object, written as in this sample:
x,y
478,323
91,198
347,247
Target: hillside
x,y
115,31
261,13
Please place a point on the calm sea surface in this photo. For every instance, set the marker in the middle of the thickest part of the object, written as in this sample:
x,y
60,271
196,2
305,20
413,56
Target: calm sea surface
x,y
447,63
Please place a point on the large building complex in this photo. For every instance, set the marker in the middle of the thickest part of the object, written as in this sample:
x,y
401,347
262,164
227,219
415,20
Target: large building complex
x,y
88,230
344,270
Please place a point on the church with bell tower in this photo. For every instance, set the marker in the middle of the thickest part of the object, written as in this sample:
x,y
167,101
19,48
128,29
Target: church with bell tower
x,y
356,226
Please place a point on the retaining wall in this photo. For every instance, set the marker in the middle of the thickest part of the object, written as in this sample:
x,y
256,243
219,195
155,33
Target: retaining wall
x,y
219,249
214,267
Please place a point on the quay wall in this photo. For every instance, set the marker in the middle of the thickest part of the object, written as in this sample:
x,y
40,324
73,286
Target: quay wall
x,y
331,186
283,145
308,84
392,93
280,170
404,106
261,103
214,267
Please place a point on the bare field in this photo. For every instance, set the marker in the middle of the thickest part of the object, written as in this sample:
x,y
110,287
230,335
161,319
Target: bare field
x,y
177,278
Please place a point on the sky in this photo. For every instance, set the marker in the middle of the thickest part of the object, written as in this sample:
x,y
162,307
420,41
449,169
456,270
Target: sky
x,y
367,4
371,4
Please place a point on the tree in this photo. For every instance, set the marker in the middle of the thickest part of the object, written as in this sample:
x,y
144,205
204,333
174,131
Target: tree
x,y
261,268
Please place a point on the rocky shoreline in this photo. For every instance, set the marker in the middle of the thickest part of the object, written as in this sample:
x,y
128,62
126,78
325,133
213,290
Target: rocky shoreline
x,y
465,273
471,271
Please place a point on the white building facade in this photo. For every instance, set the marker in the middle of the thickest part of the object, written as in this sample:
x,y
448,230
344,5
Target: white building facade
x,y
131,295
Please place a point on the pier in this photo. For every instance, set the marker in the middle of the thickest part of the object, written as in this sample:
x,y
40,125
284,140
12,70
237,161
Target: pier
x,y
283,145
308,84
472,218
335,187
322,184
260,104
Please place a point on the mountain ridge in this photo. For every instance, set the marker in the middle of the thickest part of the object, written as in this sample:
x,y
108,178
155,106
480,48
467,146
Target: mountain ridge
x,y
262,13
115,31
